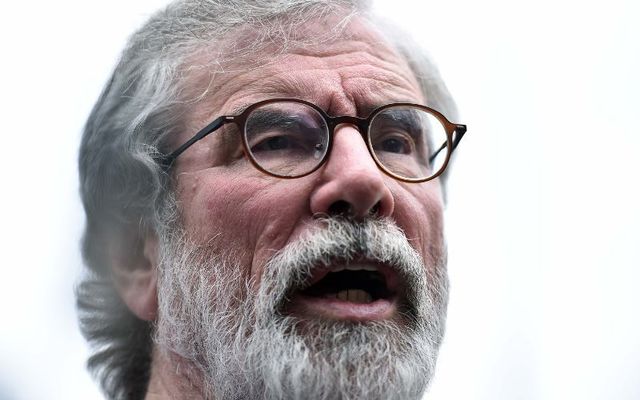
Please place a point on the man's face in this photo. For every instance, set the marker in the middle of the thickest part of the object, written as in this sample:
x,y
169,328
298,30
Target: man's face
x,y
252,231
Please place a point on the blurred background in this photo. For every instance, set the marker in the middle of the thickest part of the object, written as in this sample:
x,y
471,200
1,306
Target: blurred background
x,y
542,217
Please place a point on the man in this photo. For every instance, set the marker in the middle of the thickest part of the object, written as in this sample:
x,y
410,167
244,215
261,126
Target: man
x,y
263,190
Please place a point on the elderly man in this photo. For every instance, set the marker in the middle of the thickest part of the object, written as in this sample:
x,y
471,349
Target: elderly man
x,y
263,188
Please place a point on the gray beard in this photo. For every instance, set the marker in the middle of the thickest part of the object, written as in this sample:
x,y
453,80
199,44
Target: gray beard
x,y
239,345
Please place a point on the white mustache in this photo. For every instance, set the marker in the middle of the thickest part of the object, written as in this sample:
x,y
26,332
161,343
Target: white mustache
x,y
340,240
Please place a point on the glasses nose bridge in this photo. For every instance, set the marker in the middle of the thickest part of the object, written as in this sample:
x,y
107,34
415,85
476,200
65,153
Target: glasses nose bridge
x,y
360,123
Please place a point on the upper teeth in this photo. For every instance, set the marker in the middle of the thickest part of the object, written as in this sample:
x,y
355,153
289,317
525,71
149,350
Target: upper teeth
x,y
354,296
354,267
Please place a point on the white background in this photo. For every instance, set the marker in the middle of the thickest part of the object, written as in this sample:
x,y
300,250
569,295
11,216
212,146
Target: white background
x,y
543,208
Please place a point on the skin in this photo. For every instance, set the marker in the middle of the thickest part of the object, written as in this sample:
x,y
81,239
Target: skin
x,y
226,203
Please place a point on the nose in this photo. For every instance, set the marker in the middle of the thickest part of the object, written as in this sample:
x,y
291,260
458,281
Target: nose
x,y
351,184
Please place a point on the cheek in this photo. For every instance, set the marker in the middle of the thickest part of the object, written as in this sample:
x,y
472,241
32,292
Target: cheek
x,y
419,212
247,218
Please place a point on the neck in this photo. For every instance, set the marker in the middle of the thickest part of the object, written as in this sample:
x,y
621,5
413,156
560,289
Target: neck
x,y
172,378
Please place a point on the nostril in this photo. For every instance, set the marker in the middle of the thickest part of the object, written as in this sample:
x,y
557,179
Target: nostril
x,y
343,208
340,208
375,210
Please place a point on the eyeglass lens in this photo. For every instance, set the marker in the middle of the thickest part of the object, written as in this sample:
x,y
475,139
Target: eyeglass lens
x,y
287,138
406,141
291,139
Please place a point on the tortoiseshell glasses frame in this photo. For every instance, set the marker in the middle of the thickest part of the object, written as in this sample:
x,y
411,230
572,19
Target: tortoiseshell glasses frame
x,y
290,138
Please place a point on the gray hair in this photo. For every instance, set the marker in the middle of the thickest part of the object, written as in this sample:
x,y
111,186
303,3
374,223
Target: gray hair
x,y
124,191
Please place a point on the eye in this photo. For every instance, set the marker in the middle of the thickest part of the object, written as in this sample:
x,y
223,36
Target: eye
x,y
397,143
274,143
282,133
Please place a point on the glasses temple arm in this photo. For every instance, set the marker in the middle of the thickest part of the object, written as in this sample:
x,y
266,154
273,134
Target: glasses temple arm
x,y
435,154
460,130
166,160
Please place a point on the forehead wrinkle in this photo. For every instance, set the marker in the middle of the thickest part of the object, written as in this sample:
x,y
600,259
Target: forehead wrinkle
x,y
383,81
383,63
379,84
363,92
386,78
365,45
287,84
372,89
283,80
374,93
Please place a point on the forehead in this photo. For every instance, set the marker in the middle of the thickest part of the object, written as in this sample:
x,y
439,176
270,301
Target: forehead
x,y
351,73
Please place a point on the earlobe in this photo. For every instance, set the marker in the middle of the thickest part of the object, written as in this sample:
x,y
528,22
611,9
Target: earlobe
x,y
136,280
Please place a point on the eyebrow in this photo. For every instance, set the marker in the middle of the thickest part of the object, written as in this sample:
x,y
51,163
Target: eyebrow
x,y
238,109
363,110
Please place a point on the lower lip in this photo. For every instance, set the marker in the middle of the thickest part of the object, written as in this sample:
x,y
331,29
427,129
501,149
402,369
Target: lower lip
x,y
330,308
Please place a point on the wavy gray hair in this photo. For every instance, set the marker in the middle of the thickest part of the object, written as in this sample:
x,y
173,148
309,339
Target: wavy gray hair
x,y
126,194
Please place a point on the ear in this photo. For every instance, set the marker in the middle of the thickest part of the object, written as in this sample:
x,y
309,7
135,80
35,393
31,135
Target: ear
x,y
136,280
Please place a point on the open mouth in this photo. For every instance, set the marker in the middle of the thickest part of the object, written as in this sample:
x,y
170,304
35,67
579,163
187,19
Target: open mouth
x,y
362,284
352,291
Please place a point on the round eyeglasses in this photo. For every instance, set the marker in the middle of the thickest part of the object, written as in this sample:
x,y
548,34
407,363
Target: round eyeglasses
x,y
291,138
